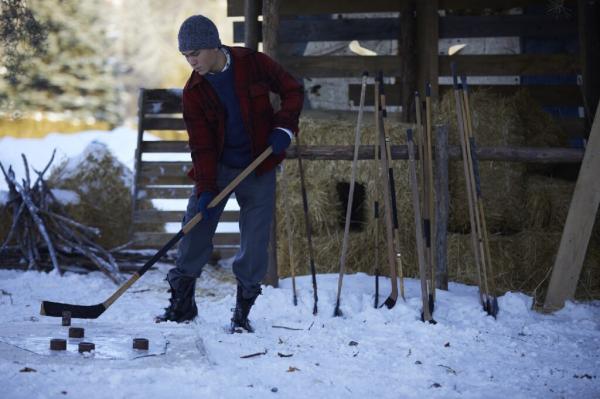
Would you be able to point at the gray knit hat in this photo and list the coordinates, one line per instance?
(198, 32)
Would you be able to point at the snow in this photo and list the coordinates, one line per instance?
(65, 197)
(3, 198)
(369, 352)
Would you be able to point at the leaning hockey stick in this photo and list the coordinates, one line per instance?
(363, 90)
(55, 309)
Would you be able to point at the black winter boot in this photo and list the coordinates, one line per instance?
(239, 321)
(182, 307)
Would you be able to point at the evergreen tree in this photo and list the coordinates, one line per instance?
(75, 74)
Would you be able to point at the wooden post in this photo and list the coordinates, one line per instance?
(427, 45)
(251, 23)
(589, 45)
(578, 227)
(408, 61)
(441, 206)
(270, 27)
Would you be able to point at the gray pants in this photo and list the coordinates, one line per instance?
(256, 197)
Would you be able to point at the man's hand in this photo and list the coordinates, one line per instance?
(203, 200)
(279, 140)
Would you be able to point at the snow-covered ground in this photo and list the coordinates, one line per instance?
(369, 353)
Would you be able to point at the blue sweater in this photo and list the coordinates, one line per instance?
(237, 151)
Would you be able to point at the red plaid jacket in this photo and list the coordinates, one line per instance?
(255, 75)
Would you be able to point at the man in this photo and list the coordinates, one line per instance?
(230, 121)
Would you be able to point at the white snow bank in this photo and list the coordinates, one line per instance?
(369, 352)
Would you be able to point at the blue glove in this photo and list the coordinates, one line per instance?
(203, 200)
(279, 140)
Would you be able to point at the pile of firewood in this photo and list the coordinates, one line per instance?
(44, 235)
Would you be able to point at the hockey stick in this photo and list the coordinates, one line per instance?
(390, 302)
(470, 194)
(313, 269)
(337, 311)
(56, 309)
(492, 305)
(288, 228)
(425, 297)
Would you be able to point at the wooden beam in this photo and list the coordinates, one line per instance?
(235, 8)
(563, 95)
(251, 24)
(505, 154)
(270, 34)
(427, 46)
(578, 226)
(544, 26)
(503, 65)
(346, 29)
(407, 52)
(341, 66)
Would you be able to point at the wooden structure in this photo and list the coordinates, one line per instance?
(418, 29)
(418, 26)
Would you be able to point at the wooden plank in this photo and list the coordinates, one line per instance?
(554, 96)
(165, 168)
(578, 226)
(163, 124)
(159, 217)
(146, 179)
(503, 65)
(544, 26)
(478, 5)
(441, 207)
(235, 8)
(162, 101)
(164, 192)
(157, 240)
(301, 30)
(177, 146)
(341, 66)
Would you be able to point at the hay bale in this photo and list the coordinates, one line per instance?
(495, 123)
(522, 262)
(104, 188)
(327, 211)
(548, 202)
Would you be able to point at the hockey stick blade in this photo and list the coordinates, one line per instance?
(389, 303)
(56, 309)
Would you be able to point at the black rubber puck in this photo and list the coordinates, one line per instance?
(86, 347)
(140, 343)
(66, 318)
(58, 344)
(75, 332)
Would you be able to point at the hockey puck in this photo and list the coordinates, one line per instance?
(140, 343)
(58, 344)
(66, 318)
(86, 347)
(75, 332)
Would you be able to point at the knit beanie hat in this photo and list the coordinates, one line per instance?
(198, 32)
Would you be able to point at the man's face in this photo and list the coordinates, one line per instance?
(203, 60)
